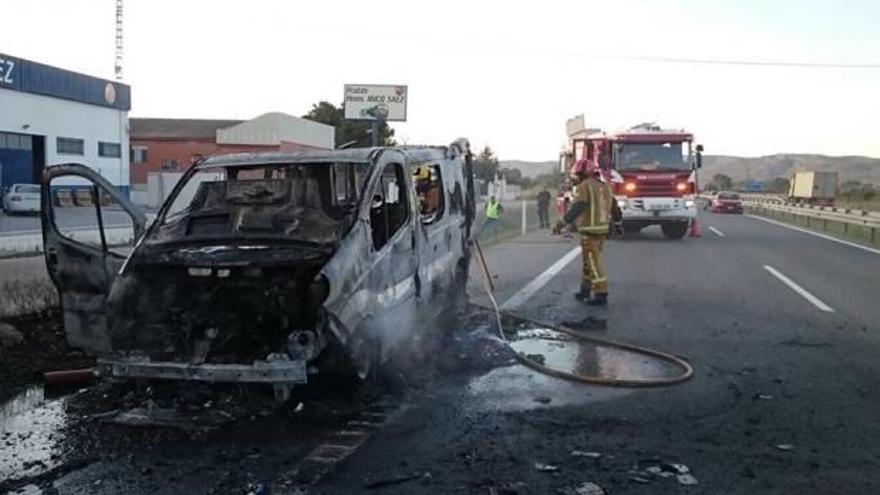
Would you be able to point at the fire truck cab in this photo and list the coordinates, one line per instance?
(652, 172)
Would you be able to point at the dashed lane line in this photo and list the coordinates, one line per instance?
(540, 281)
(717, 232)
(800, 290)
(817, 234)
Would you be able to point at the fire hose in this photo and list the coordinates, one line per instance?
(687, 370)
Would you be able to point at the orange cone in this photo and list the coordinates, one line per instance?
(695, 228)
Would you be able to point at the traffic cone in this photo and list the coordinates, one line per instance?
(695, 228)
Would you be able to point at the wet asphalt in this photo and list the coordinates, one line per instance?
(783, 399)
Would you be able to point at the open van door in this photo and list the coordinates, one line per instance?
(89, 229)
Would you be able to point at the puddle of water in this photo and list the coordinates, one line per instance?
(587, 359)
(30, 434)
(520, 388)
(517, 388)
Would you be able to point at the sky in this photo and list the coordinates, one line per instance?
(503, 74)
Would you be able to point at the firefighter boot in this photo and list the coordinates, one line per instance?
(583, 295)
(600, 299)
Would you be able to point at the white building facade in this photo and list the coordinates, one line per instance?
(50, 116)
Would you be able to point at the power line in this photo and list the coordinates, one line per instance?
(634, 58)
(759, 63)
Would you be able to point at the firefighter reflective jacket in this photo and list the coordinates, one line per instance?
(591, 211)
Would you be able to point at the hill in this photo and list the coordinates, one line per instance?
(764, 168)
(529, 169)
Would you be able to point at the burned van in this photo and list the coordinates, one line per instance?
(263, 268)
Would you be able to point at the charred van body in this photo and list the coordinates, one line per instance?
(267, 268)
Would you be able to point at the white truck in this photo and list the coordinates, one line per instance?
(813, 187)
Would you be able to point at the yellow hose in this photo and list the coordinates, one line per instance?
(687, 373)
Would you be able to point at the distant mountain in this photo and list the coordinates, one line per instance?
(529, 169)
(763, 168)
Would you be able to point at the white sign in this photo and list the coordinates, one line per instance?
(375, 101)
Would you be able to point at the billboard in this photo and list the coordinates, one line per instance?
(375, 101)
(18, 74)
(575, 125)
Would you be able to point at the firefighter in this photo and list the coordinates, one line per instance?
(591, 212)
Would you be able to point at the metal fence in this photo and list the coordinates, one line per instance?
(861, 230)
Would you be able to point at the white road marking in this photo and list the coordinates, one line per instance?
(817, 234)
(540, 281)
(800, 290)
(717, 232)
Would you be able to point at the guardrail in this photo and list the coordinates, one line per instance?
(863, 227)
(865, 231)
(861, 217)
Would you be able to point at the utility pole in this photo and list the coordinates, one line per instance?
(375, 133)
(118, 64)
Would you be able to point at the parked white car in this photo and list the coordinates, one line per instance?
(22, 198)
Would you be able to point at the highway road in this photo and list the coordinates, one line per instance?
(784, 398)
(783, 331)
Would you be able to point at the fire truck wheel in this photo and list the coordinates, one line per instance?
(629, 228)
(674, 230)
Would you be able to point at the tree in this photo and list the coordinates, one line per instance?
(486, 165)
(850, 185)
(723, 182)
(513, 175)
(349, 130)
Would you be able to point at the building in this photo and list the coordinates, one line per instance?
(576, 132)
(173, 145)
(50, 115)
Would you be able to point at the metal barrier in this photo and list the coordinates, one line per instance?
(861, 217)
(865, 231)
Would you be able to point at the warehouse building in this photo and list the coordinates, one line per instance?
(173, 145)
(50, 115)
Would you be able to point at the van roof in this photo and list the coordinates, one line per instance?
(356, 155)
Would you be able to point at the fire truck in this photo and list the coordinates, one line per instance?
(653, 173)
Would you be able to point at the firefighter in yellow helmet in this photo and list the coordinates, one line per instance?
(591, 213)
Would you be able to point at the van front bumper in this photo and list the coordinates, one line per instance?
(276, 370)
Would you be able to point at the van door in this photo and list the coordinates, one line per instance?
(393, 268)
(439, 219)
(89, 229)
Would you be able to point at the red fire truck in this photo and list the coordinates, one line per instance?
(653, 172)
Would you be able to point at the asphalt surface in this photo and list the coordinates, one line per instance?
(783, 400)
(773, 372)
(75, 218)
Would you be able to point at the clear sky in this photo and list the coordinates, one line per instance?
(506, 74)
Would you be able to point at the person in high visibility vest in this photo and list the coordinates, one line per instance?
(591, 213)
(493, 211)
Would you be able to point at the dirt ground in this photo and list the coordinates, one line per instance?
(44, 349)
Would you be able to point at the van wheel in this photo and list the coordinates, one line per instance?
(674, 230)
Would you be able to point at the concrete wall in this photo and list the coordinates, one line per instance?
(53, 117)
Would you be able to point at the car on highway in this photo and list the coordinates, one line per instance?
(725, 202)
(22, 198)
(271, 267)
